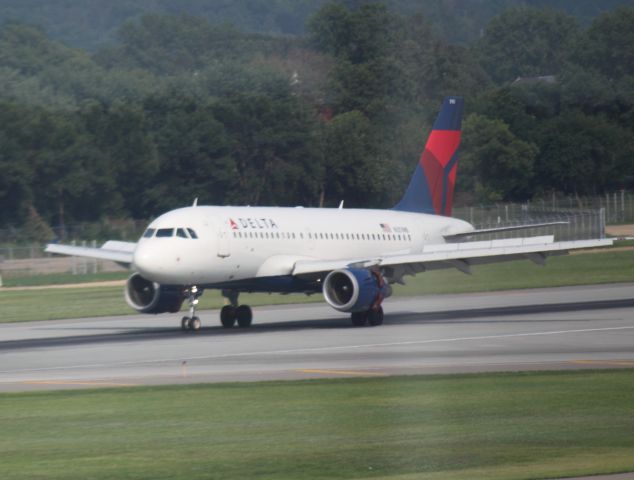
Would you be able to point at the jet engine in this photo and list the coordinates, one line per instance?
(150, 297)
(355, 289)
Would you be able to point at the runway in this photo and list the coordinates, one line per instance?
(564, 328)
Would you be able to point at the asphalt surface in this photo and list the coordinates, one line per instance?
(564, 328)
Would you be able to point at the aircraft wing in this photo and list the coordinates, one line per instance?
(454, 255)
(120, 252)
(456, 237)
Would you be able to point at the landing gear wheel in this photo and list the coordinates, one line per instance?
(228, 316)
(375, 317)
(244, 316)
(359, 319)
(191, 322)
(195, 324)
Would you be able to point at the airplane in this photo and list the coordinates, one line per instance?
(352, 256)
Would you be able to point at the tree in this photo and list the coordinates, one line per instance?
(526, 42)
(192, 154)
(357, 36)
(494, 164)
(16, 176)
(607, 44)
(36, 229)
(268, 138)
(583, 155)
(354, 170)
(122, 132)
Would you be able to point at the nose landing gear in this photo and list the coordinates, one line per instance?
(192, 322)
(229, 315)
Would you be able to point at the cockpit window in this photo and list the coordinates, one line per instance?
(192, 233)
(164, 232)
(180, 232)
(149, 233)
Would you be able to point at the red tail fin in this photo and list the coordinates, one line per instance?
(432, 186)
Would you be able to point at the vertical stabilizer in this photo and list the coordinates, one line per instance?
(432, 186)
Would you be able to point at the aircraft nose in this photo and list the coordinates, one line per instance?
(147, 261)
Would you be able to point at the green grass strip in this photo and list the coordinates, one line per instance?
(62, 279)
(485, 426)
(596, 268)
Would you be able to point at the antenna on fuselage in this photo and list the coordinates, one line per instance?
(341, 205)
(195, 204)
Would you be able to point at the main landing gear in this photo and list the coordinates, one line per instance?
(374, 317)
(232, 313)
(192, 322)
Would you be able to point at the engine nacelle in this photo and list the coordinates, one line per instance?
(355, 289)
(150, 297)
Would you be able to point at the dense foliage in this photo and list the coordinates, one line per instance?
(180, 108)
(92, 24)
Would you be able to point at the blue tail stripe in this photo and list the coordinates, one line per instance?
(450, 115)
(417, 197)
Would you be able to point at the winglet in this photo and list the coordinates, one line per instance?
(432, 186)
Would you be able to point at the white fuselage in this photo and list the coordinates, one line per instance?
(238, 243)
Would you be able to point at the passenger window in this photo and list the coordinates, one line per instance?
(181, 233)
(149, 233)
(192, 233)
(164, 232)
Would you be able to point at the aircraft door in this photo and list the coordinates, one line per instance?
(223, 240)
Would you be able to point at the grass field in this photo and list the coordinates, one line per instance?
(604, 267)
(63, 278)
(488, 426)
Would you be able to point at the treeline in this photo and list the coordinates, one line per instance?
(93, 24)
(180, 109)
